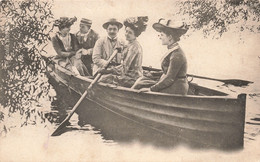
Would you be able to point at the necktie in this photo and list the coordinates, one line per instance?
(113, 41)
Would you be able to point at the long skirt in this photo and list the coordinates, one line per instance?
(119, 80)
(179, 86)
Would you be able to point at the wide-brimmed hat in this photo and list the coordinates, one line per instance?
(176, 26)
(138, 24)
(86, 21)
(112, 21)
(64, 22)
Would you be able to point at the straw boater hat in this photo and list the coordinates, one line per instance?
(86, 21)
(114, 22)
(64, 22)
(177, 27)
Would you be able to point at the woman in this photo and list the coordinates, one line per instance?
(173, 63)
(131, 67)
(66, 46)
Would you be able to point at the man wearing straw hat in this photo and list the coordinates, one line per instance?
(87, 39)
(105, 46)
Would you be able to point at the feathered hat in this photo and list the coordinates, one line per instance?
(64, 22)
(177, 27)
(138, 24)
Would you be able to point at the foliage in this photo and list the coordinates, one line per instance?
(219, 16)
(23, 36)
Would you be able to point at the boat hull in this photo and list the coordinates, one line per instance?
(215, 121)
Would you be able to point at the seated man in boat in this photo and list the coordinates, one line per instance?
(131, 68)
(105, 46)
(87, 39)
(66, 45)
(173, 63)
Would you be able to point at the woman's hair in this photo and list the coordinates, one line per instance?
(136, 32)
(174, 33)
(137, 24)
(64, 26)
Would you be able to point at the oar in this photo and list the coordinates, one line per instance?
(65, 121)
(235, 82)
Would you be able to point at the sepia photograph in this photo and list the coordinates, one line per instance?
(129, 80)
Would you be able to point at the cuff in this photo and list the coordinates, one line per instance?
(154, 88)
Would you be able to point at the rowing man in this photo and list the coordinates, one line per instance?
(105, 46)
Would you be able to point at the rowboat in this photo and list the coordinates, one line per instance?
(204, 118)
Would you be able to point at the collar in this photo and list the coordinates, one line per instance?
(112, 39)
(132, 41)
(172, 45)
(83, 35)
(61, 37)
(172, 48)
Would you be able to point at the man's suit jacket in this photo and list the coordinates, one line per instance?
(103, 49)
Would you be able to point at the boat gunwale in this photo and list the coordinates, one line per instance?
(186, 106)
(85, 78)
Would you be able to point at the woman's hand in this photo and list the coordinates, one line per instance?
(105, 71)
(87, 51)
(145, 90)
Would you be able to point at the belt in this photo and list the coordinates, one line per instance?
(181, 77)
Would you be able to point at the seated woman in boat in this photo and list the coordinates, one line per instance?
(173, 63)
(130, 69)
(66, 45)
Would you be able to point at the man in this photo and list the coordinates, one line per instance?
(104, 47)
(87, 39)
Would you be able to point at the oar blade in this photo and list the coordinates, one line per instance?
(237, 82)
(60, 128)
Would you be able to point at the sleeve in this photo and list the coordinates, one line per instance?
(97, 53)
(76, 42)
(58, 50)
(176, 62)
(90, 50)
(130, 56)
(96, 37)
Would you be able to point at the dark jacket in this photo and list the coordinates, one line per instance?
(59, 47)
(173, 80)
(87, 44)
(92, 37)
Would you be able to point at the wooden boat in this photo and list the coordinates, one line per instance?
(206, 118)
